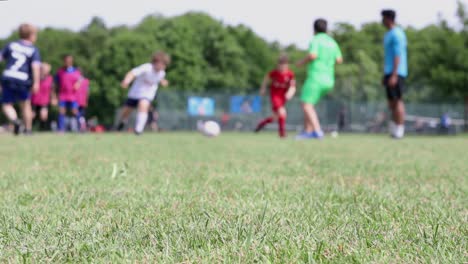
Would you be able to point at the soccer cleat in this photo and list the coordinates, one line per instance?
(304, 136)
(17, 128)
(307, 136)
(121, 126)
(318, 135)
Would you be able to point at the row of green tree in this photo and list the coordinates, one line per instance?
(209, 56)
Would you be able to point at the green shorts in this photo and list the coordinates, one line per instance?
(313, 91)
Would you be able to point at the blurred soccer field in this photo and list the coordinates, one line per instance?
(239, 198)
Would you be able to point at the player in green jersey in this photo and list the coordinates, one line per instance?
(324, 53)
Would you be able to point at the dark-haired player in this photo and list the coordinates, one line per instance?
(395, 72)
(324, 53)
(21, 73)
(282, 89)
(68, 80)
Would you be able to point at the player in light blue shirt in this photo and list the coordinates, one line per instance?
(395, 72)
(396, 47)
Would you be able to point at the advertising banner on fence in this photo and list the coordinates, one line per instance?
(240, 104)
(201, 106)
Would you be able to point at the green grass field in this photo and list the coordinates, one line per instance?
(239, 198)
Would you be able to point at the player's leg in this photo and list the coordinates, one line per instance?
(74, 108)
(124, 115)
(391, 123)
(43, 118)
(282, 115)
(62, 116)
(142, 115)
(311, 95)
(9, 97)
(127, 109)
(264, 123)
(10, 113)
(34, 112)
(312, 121)
(397, 108)
(276, 103)
(308, 127)
(400, 110)
(27, 115)
(82, 118)
(398, 114)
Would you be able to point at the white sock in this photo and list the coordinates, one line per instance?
(142, 118)
(400, 131)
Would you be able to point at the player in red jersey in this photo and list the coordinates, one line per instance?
(282, 89)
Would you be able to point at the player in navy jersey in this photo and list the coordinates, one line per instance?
(21, 76)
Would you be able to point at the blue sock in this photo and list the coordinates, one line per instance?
(61, 123)
(78, 120)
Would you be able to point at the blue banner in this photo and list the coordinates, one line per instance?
(201, 106)
(240, 104)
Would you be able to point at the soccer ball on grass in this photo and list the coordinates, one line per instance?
(209, 128)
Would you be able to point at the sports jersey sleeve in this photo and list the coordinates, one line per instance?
(314, 47)
(36, 57)
(141, 69)
(397, 44)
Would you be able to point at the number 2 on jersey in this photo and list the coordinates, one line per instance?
(20, 60)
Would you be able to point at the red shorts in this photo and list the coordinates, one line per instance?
(278, 101)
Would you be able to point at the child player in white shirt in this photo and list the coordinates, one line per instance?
(146, 79)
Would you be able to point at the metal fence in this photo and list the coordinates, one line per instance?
(371, 117)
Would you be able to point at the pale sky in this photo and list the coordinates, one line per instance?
(288, 22)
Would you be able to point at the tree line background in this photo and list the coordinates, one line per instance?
(209, 56)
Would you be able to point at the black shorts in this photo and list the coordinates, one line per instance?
(82, 110)
(394, 93)
(133, 103)
(37, 108)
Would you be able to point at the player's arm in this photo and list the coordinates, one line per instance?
(291, 91)
(339, 55)
(134, 73)
(2, 53)
(78, 83)
(312, 54)
(36, 70)
(397, 50)
(54, 92)
(266, 81)
(309, 58)
(164, 83)
(129, 77)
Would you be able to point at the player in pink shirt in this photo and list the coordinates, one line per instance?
(41, 99)
(68, 81)
(82, 100)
